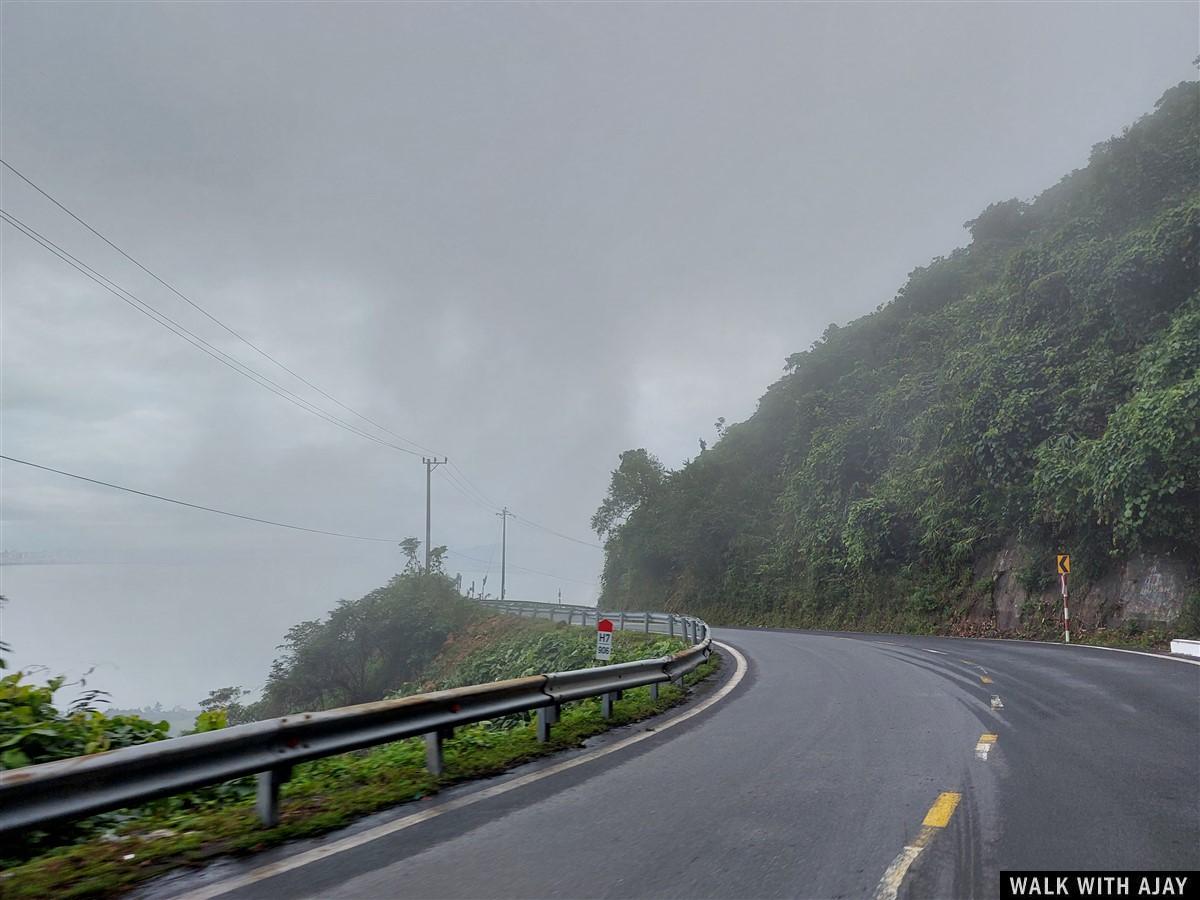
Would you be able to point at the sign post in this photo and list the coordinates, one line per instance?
(1064, 569)
(604, 639)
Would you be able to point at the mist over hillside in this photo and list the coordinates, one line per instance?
(1036, 392)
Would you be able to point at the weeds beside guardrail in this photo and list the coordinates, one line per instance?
(69, 789)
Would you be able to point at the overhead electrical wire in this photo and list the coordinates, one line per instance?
(191, 337)
(211, 509)
(461, 488)
(526, 569)
(488, 500)
(529, 523)
(522, 520)
(462, 483)
(258, 519)
(174, 290)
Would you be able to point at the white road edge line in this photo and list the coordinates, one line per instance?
(371, 834)
(1167, 656)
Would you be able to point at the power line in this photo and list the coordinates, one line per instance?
(191, 337)
(211, 509)
(269, 521)
(204, 311)
(459, 486)
(464, 486)
(488, 500)
(526, 570)
(262, 521)
(566, 537)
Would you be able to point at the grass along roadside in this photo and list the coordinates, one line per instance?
(322, 795)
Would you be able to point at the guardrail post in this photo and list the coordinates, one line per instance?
(266, 802)
(606, 704)
(671, 624)
(435, 760)
(622, 626)
(654, 691)
(646, 626)
(547, 716)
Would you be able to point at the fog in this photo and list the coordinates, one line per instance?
(527, 237)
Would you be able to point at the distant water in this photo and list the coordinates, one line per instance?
(171, 633)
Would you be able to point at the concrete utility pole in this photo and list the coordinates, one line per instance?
(431, 463)
(503, 546)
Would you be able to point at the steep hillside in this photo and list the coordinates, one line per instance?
(1035, 392)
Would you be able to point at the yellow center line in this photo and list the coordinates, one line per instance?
(943, 808)
(986, 679)
(938, 817)
(988, 738)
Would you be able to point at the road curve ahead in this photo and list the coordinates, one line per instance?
(840, 766)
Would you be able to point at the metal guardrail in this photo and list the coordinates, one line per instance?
(43, 794)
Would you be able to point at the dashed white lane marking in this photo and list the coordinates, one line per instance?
(984, 745)
(930, 650)
(371, 834)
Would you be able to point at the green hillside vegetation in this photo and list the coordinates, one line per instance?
(415, 634)
(1041, 384)
(496, 647)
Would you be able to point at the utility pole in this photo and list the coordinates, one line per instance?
(431, 463)
(503, 546)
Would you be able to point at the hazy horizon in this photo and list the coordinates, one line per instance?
(527, 237)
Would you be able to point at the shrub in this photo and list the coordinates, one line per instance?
(33, 730)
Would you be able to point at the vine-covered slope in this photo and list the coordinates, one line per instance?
(1041, 385)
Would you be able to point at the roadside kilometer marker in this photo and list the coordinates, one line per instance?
(937, 818)
(985, 744)
(604, 639)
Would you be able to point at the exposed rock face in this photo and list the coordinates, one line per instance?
(1001, 569)
(1147, 587)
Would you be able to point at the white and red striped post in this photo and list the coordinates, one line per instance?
(1066, 611)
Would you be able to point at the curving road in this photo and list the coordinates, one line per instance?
(838, 766)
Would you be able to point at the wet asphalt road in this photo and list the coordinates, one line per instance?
(815, 772)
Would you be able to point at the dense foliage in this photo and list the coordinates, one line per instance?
(34, 730)
(1041, 384)
(363, 648)
(523, 647)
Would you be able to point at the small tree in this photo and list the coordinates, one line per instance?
(637, 478)
(409, 547)
(225, 700)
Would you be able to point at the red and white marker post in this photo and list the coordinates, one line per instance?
(1066, 613)
(1064, 569)
(604, 639)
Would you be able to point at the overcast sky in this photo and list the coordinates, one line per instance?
(525, 236)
